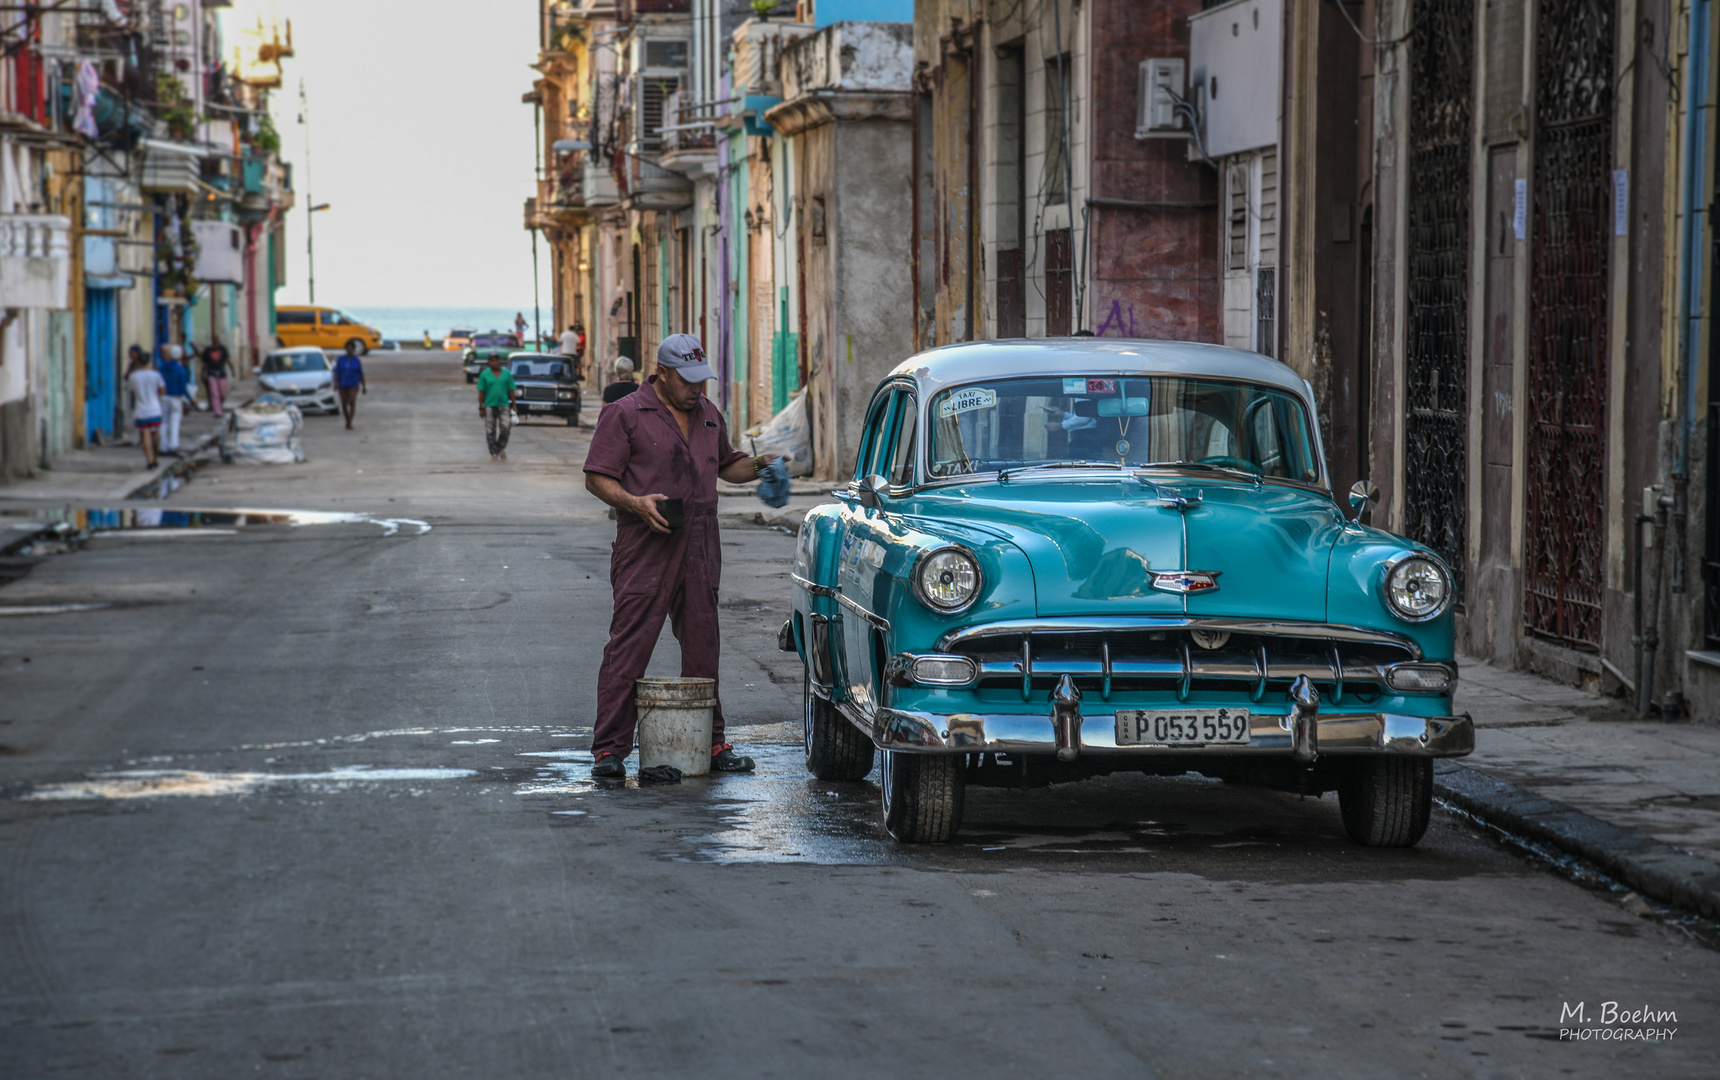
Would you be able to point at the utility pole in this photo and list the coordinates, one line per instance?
(537, 175)
(311, 206)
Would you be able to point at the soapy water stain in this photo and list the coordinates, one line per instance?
(156, 521)
(163, 783)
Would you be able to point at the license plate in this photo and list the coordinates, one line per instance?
(1195, 727)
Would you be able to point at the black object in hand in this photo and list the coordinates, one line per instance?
(673, 511)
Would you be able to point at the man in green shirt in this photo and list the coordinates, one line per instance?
(495, 405)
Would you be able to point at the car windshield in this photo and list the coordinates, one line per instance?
(282, 363)
(499, 341)
(1128, 421)
(540, 369)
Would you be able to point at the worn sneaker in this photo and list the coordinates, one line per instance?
(609, 766)
(724, 759)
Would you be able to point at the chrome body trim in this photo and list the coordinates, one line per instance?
(816, 590)
(854, 605)
(1123, 623)
(1328, 734)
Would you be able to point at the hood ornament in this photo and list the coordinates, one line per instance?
(1171, 496)
(1186, 581)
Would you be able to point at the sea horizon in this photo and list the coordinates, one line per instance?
(408, 323)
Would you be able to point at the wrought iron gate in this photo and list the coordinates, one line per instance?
(1567, 372)
(1436, 361)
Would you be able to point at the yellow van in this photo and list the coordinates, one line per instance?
(324, 327)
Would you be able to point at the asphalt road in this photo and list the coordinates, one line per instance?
(310, 801)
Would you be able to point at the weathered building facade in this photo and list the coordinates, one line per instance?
(1047, 201)
(141, 201)
(845, 121)
(669, 202)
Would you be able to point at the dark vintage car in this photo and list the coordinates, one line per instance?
(484, 346)
(545, 386)
(1064, 558)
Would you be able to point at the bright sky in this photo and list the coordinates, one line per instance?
(419, 143)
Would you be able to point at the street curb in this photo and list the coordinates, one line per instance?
(1651, 867)
(179, 467)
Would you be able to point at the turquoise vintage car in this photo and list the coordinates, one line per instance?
(1064, 558)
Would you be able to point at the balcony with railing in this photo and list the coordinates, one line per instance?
(35, 260)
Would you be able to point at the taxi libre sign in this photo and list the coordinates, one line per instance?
(964, 400)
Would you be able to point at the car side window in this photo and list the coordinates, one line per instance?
(875, 438)
(902, 455)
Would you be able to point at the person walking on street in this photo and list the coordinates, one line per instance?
(177, 396)
(217, 366)
(349, 381)
(570, 344)
(427, 341)
(623, 384)
(147, 390)
(655, 458)
(496, 405)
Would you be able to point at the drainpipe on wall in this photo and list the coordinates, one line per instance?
(1694, 210)
(1690, 284)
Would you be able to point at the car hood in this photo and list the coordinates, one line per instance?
(297, 380)
(1094, 545)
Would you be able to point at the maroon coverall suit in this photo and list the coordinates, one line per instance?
(654, 575)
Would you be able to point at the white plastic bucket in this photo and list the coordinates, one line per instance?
(675, 723)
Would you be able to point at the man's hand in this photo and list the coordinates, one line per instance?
(609, 489)
(646, 507)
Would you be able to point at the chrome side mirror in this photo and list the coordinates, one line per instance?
(867, 490)
(1362, 493)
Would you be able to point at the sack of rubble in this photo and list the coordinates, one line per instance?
(265, 432)
(787, 433)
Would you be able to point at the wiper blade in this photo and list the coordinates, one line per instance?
(1256, 478)
(1003, 475)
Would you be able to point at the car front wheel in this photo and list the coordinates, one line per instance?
(1386, 801)
(835, 749)
(923, 795)
(358, 345)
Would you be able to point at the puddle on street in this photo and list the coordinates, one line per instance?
(70, 526)
(780, 814)
(166, 783)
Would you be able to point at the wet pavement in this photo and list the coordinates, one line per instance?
(314, 801)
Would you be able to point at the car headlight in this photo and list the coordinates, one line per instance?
(1418, 589)
(564, 395)
(947, 579)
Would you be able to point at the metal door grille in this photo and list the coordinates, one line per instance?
(1436, 362)
(1567, 373)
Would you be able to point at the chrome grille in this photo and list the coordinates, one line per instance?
(1167, 658)
(537, 393)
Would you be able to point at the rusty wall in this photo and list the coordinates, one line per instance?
(1154, 269)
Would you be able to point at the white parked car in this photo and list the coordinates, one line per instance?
(303, 376)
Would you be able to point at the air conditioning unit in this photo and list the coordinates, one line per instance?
(1162, 82)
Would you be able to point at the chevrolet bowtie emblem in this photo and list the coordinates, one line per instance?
(1186, 581)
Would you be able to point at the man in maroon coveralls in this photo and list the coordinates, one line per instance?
(664, 441)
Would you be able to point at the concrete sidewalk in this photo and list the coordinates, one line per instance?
(1638, 798)
(740, 504)
(116, 471)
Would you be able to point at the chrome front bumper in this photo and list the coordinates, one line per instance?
(1298, 734)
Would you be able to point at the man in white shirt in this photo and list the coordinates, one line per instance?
(570, 343)
(147, 389)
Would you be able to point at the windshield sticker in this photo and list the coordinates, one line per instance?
(1089, 386)
(963, 400)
